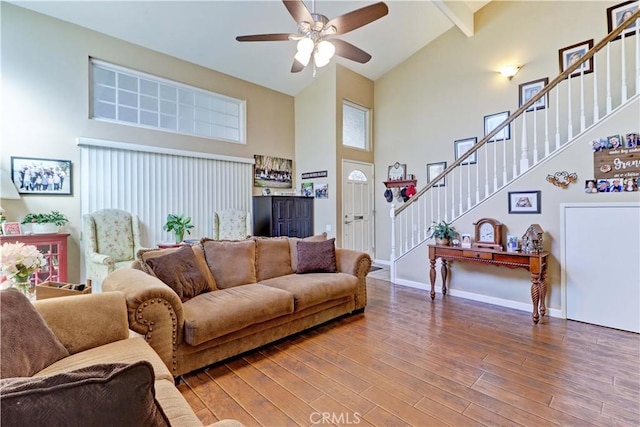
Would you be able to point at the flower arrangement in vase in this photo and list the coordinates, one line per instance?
(19, 261)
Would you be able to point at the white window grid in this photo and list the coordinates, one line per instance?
(129, 97)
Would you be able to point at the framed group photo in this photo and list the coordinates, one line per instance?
(619, 13)
(573, 54)
(46, 177)
(435, 169)
(524, 202)
(461, 146)
(492, 121)
(530, 89)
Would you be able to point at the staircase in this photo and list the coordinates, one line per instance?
(604, 80)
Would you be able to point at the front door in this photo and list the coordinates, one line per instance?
(357, 206)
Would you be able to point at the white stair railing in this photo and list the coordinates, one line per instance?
(492, 164)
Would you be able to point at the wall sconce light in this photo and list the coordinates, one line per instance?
(509, 71)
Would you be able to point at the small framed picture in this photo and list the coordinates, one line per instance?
(619, 13)
(307, 189)
(614, 141)
(524, 202)
(465, 240)
(492, 121)
(573, 54)
(266, 191)
(43, 177)
(590, 186)
(435, 169)
(397, 172)
(11, 228)
(632, 140)
(322, 191)
(461, 146)
(512, 243)
(530, 89)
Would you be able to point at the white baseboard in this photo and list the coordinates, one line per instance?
(553, 312)
(381, 262)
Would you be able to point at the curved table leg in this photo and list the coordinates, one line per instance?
(432, 278)
(543, 291)
(535, 296)
(444, 270)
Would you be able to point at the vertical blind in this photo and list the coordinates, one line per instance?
(151, 183)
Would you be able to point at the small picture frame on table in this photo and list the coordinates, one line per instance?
(461, 146)
(492, 121)
(530, 89)
(572, 54)
(512, 243)
(524, 202)
(11, 228)
(619, 13)
(465, 240)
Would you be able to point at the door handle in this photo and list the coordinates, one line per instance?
(347, 222)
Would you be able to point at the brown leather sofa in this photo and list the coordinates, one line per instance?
(256, 295)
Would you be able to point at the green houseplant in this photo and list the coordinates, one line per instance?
(179, 225)
(442, 231)
(42, 223)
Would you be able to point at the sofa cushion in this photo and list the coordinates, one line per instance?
(315, 288)
(232, 263)
(180, 270)
(317, 257)
(99, 395)
(293, 247)
(224, 311)
(28, 344)
(144, 255)
(272, 258)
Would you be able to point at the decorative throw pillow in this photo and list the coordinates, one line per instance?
(99, 395)
(180, 271)
(28, 345)
(232, 263)
(293, 247)
(317, 257)
(272, 258)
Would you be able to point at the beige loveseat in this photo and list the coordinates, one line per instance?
(254, 293)
(93, 331)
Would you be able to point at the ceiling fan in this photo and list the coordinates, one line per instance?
(315, 34)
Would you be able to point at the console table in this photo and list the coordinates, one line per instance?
(53, 247)
(535, 263)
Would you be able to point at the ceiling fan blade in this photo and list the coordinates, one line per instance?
(296, 67)
(349, 51)
(263, 38)
(298, 10)
(359, 17)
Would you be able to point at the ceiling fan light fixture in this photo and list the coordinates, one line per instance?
(305, 46)
(303, 57)
(324, 53)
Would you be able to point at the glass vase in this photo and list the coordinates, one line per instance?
(23, 284)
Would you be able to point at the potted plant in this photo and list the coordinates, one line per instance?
(45, 223)
(179, 225)
(442, 231)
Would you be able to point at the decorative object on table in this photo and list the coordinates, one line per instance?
(532, 239)
(523, 202)
(45, 223)
(492, 122)
(44, 177)
(461, 146)
(562, 179)
(266, 191)
(455, 242)
(274, 172)
(179, 225)
(530, 89)
(46, 290)
(322, 191)
(512, 243)
(11, 228)
(18, 262)
(573, 54)
(397, 172)
(442, 231)
(435, 169)
(465, 240)
(488, 234)
(619, 13)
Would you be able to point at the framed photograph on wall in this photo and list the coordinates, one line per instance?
(530, 89)
(461, 146)
(435, 169)
(274, 172)
(492, 121)
(306, 189)
(43, 177)
(322, 191)
(524, 202)
(619, 13)
(572, 54)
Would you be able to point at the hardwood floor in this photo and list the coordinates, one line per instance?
(410, 361)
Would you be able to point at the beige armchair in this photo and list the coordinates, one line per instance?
(111, 241)
(231, 224)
